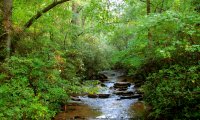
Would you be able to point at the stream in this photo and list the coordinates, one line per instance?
(116, 100)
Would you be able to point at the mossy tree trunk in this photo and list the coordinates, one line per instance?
(148, 8)
(6, 29)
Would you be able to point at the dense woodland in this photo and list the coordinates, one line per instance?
(48, 48)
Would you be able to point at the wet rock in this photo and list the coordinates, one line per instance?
(126, 97)
(122, 84)
(92, 95)
(104, 95)
(136, 96)
(75, 98)
(102, 76)
(132, 97)
(121, 89)
(124, 93)
(103, 85)
(112, 74)
(111, 88)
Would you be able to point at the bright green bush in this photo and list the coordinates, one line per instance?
(32, 88)
(174, 93)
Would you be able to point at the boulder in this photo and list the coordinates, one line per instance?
(122, 84)
(103, 85)
(126, 97)
(124, 93)
(132, 97)
(104, 95)
(92, 95)
(75, 98)
(113, 74)
(121, 89)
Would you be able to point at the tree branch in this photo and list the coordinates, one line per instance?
(40, 13)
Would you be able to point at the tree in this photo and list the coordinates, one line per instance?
(7, 26)
(6, 37)
(148, 12)
(40, 13)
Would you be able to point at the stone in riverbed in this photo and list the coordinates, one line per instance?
(126, 97)
(124, 93)
(121, 89)
(122, 84)
(113, 74)
(75, 98)
(132, 97)
(98, 95)
(92, 95)
(103, 85)
(104, 95)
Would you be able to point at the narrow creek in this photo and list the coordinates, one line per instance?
(115, 100)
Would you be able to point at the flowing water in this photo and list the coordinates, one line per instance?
(112, 107)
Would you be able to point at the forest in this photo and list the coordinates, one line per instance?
(53, 49)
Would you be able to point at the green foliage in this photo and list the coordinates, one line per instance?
(64, 47)
(173, 33)
(51, 59)
(174, 92)
(31, 86)
(162, 48)
(94, 54)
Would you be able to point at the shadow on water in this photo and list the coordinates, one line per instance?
(121, 104)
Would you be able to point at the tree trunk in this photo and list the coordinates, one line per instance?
(148, 12)
(75, 17)
(7, 26)
(148, 7)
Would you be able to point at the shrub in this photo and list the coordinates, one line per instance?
(174, 92)
(32, 88)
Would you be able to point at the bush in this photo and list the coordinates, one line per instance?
(32, 88)
(174, 93)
